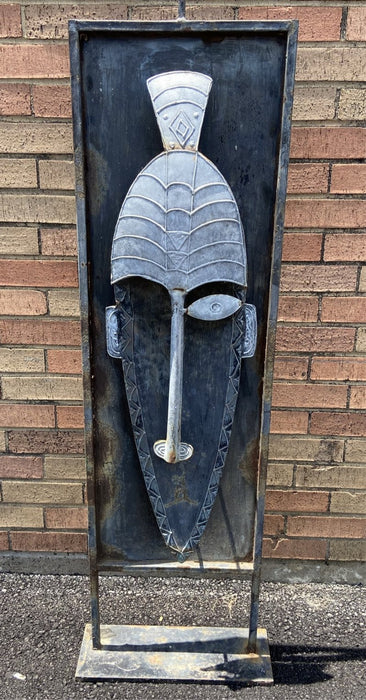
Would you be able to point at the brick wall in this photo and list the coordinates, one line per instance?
(317, 478)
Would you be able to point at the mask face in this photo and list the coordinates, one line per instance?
(178, 264)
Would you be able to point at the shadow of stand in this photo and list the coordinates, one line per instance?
(293, 665)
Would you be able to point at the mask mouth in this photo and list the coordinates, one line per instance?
(172, 455)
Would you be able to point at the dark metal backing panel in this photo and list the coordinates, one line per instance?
(117, 135)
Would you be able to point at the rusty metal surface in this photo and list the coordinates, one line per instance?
(274, 287)
(195, 654)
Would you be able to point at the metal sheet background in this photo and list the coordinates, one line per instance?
(241, 135)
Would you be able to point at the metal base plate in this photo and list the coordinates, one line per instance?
(200, 654)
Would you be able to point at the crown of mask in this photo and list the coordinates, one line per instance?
(179, 99)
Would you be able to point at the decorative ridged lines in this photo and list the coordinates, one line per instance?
(142, 446)
(179, 226)
(147, 467)
(238, 327)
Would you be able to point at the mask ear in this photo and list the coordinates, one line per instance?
(214, 307)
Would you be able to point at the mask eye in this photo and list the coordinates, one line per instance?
(214, 307)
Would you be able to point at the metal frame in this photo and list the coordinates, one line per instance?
(182, 27)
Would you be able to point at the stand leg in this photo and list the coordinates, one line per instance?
(256, 575)
(94, 602)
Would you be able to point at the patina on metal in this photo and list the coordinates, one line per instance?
(180, 227)
(252, 65)
(201, 654)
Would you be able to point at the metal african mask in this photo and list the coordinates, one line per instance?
(178, 266)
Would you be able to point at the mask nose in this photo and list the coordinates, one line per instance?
(171, 449)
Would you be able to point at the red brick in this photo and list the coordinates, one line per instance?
(12, 467)
(41, 492)
(10, 21)
(51, 101)
(345, 246)
(312, 526)
(324, 142)
(325, 213)
(26, 416)
(38, 273)
(35, 136)
(293, 308)
(344, 309)
(293, 501)
(18, 173)
(310, 395)
(14, 99)
(291, 368)
(318, 278)
(352, 104)
(361, 340)
(50, 21)
(348, 178)
(356, 24)
(66, 518)
(42, 441)
(336, 63)
(314, 102)
(315, 23)
(280, 474)
(289, 422)
(305, 449)
(315, 339)
(358, 400)
(154, 13)
(34, 61)
(338, 424)
(347, 503)
(294, 549)
(70, 416)
(22, 303)
(274, 525)
(302, 247)
(64, 361)
(333, 477)
(347, 550)
(56, 174)
(37, 208)
(39, 332)
(48, 542)
(19, 240)
(339, 368)
(4, 541)
(59, 242)
(210, 13)
(41, 388)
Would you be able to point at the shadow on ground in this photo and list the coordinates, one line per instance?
(309, 664)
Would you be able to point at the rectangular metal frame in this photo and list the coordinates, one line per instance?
(181, 28)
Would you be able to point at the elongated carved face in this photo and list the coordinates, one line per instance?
(180, 226)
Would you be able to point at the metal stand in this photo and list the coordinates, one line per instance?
(132, 544)
(191, 654)
(200, 654)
